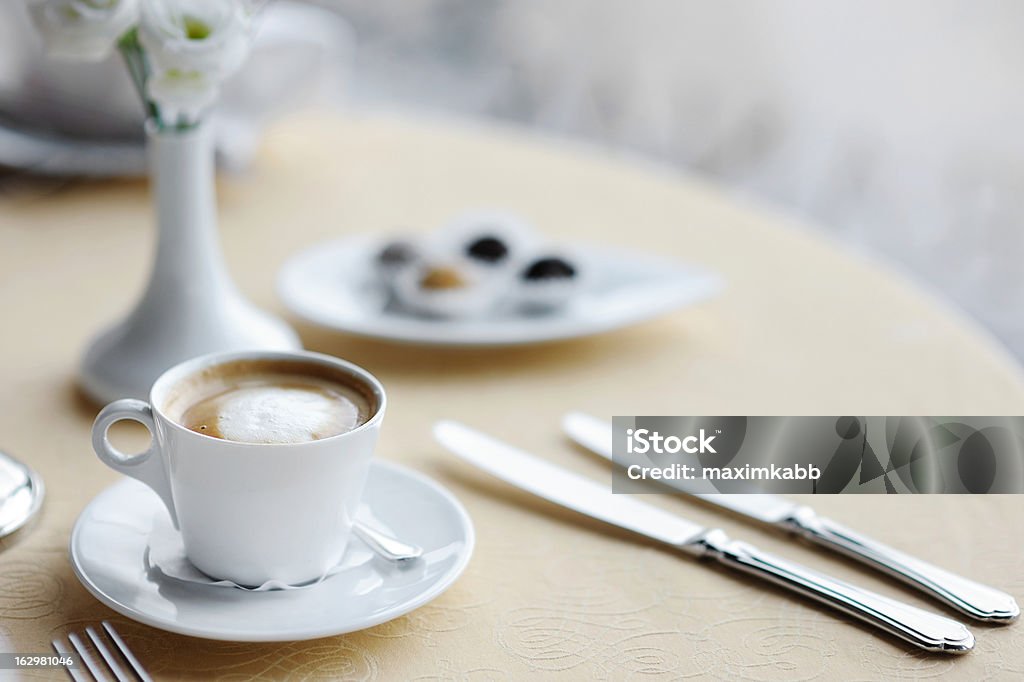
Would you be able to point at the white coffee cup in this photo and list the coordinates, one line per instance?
(250, 512)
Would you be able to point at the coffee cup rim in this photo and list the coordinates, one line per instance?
(163, 384)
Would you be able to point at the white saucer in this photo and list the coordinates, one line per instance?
(109, 541)
(332, 285)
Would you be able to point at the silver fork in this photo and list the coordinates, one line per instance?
(123, 668)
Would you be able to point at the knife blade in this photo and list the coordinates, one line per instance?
(596, 435)
(561, 487)
(971, 598)
(925, 630)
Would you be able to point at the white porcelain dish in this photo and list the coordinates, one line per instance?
(333, 285)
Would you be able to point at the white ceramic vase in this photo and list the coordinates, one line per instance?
(190, 306)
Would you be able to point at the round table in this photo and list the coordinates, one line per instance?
(803, 328)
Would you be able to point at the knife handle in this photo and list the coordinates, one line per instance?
(926, 630)
(975, 600)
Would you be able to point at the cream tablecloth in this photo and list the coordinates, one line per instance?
(802, 329)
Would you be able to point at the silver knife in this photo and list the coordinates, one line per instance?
(971, 598)
(925, 630)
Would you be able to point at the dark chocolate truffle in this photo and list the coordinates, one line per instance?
(548, 269)
(489, 249)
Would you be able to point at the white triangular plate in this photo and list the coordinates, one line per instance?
(333, 285)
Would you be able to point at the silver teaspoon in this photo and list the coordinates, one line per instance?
(21, 494)
(385, 545)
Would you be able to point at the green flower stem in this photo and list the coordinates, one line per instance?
(135, 60)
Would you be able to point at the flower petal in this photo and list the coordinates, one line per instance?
(182, 97)
(83, 30)
(208, 36)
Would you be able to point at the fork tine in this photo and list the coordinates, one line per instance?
(126, 652)
(95, 669)
(62, 650)
(108, 655)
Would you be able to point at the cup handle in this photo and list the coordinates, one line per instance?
(147, 466)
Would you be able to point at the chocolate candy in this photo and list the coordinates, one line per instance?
(549, 268)
(489, 249)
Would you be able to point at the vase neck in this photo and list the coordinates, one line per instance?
(184, 196)
(181, 172)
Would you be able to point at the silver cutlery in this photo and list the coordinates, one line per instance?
(387, 546)
(101, 661)
(971, 598)
(923, 629)
(21, 494)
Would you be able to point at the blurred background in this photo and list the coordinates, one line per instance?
(892, 126)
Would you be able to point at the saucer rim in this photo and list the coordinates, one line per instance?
(439, 587)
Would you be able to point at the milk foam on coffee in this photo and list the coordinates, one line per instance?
(251, 403)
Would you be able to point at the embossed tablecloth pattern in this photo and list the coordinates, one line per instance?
(801, 330)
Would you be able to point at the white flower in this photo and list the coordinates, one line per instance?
(181, 95)
(83, 30)
(191, 47)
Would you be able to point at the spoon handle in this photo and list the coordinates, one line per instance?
(389, 547)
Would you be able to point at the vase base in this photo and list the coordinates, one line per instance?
(125, 360)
